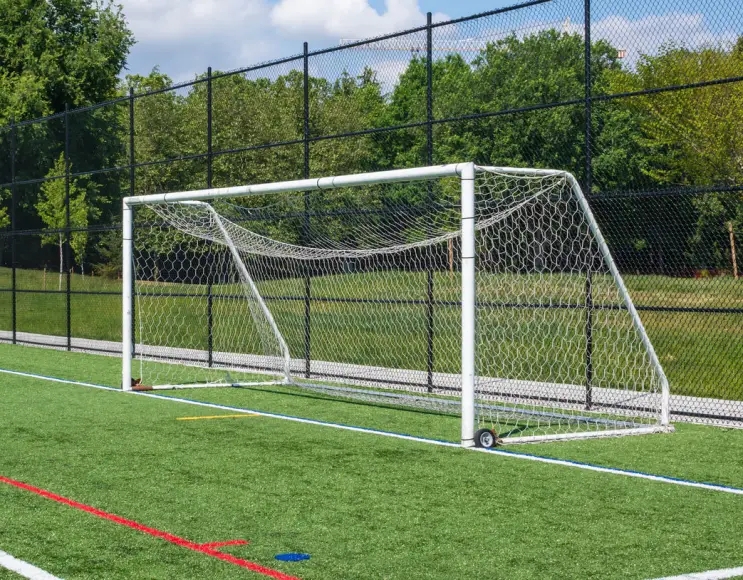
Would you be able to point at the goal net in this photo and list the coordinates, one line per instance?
(480, 292)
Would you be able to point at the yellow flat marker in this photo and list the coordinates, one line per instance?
(217, 417)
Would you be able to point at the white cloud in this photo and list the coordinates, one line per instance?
(346, 18)
(647, 35)
(185, 37)
(165, 20)
(643, 36)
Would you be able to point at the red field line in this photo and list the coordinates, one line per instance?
(202, 548)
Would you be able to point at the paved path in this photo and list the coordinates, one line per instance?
(683, 408)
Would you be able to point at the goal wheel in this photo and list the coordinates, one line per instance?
(485, 438)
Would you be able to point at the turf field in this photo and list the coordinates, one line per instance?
(360, 504)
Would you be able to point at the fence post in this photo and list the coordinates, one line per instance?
(68, 226)
(209, 260)
(587, 189)
(13, 228)
(306, 225)
(133, 224)
(429, 161)
(589, 340)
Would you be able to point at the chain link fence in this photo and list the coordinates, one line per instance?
(643, 102)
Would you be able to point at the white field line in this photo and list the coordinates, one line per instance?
(708, 575)
(501, 452)
(24, 568)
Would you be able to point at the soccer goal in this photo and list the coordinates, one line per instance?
(486, 293)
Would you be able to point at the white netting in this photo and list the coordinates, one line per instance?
(356, 293)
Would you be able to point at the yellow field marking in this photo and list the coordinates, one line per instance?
(217, 417)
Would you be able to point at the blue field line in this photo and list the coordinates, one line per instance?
(440, 442)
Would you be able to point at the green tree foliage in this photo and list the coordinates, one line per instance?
(634, 144)
(162, 131)
(682, 138)
(55, 53)
(692, 138)
(505, 79)
(52, 210)
(4, 217)
(347, 105)
(693, 135)
(509, 74)
(250, 113)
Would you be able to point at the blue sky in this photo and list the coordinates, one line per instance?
(184, 37)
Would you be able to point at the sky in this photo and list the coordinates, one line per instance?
(184, 37)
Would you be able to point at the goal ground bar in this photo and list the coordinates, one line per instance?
(141, 388)
(478, 406)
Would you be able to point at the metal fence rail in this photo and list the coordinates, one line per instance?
(672, 234)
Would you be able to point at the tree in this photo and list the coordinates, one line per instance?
(347, 105)
(694, 133)
(163, 130)
(452, 89)
(540, 69)
(55, 53)
(53, 211)
(4, 217)
(691, 138)
(110, 255)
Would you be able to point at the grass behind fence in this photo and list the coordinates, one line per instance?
(700, 351)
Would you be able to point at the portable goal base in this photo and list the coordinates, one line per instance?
(487, 293)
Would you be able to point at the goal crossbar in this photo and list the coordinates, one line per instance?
(314, 184)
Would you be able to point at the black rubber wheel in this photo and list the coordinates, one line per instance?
(485, 438)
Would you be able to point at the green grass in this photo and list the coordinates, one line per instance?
(363, 506)
(700, 352)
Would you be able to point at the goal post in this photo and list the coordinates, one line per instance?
(467, 176)
(510, 251)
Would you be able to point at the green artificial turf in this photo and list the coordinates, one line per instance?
(362, 505)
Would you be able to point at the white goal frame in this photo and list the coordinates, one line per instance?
(466, 173)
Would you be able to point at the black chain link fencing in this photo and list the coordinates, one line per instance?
(643, 102)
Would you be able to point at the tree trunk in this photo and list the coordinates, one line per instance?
(732, 250)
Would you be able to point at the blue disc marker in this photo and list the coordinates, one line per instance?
(292, 557)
